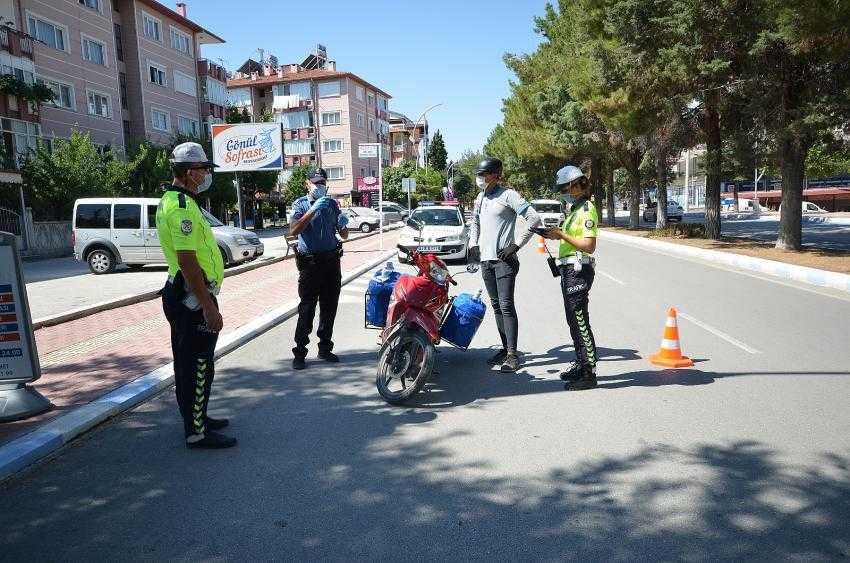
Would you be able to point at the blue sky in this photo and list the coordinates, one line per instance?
(422, 53)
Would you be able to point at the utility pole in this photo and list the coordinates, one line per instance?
(687, 179)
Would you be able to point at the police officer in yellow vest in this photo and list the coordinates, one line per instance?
(195, 273)
(576, 262)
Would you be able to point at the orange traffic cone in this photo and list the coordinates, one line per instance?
(670, 354)
(541, 246)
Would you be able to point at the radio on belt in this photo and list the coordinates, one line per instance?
(577, 266)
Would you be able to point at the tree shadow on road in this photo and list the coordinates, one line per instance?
(327, 471)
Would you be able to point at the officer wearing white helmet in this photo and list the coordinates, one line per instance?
(576, 263)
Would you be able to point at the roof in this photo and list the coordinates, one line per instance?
(210, 36)
(298, 77)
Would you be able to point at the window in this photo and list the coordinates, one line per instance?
(239, 97)
(332, 145)
(181, 42)
(160, 120)
(371, 99)
(360, 92)
(63, 94)
(122, 85)
(382, 103)
(100, 104)
(295, 119)
(298, 146)
(185, 84)
(215, 92)
(329, 89)
(151, 216)
(157, 74)
(153, 27)
(371, 124)
(92, 216)
(127, 216)
(361, 120)
(94, 51)
(187, 126)
(119, 42)
(335, 173)
(331, 118)
(302, 89)
(51, 34)
(93, 4)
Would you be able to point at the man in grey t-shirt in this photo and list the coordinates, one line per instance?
(491, 241)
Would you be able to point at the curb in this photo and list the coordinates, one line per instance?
(804, 274)
(81, 312)
(51, 436)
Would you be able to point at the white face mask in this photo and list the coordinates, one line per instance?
(480, 182)
(317, 191)
(205, 184)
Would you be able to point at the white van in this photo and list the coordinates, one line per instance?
(111, 231)
(809, 207)
(551, 211)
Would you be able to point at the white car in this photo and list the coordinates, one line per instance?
(363, 219)
(397, 208)
(809, 207)
(674, 212)
(551, 211)
(443, 233)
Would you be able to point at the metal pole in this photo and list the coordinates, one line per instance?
(687, 180)
(381, 192)
(23, 220)
(239, 199)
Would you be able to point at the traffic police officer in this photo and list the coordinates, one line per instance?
(578, 243)
(195, 273)
(316, 219)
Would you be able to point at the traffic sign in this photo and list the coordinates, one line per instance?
(408, 185)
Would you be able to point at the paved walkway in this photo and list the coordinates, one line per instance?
(86, 358)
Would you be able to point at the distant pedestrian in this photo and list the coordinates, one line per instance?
(316, 220)
(577, 266)
(195, 274)
(492, 242)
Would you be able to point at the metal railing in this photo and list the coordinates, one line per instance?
(10, 221)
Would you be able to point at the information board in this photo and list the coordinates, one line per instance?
(18, 357)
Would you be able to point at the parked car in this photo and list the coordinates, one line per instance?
(674, 212)
(396, 207)
(111, 231)
(444, 233)
(809, 207)
(391, 214)
(363, 219)
(551, 211)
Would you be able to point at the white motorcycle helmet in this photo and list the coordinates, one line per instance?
(566, 175)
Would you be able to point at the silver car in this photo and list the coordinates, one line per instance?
(363, 219)
(111, 231)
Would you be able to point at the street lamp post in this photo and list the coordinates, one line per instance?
(413, 138)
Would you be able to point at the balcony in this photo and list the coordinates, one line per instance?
(302, 134)
(303, 160)
(15, 42)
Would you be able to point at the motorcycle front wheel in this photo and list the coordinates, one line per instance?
(404, 366)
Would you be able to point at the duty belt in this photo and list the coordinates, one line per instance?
(214, 289)
(585, 260)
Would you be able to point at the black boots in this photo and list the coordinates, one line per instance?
(586, 379)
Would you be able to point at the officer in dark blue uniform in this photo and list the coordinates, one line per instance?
(317, 219)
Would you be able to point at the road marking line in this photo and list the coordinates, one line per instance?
(610, 277)
(719, 333)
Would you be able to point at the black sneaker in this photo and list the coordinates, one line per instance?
(511, 363)
(210, 441)
(572, 373)
(586, 381)
(498, 358)
(217, 423)
(329, 357)
(298, 363)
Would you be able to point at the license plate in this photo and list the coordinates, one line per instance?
(429, 249)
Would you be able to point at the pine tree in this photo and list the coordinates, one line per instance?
(437, 152)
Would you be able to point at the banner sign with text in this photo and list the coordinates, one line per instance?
(246, 147)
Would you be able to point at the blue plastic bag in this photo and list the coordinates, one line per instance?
(464, 318)
(378, 295)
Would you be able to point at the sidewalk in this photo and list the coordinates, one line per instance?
(86, 358)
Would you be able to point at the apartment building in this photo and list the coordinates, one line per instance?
(19, 123)
(406, 138)
(75, 56)
(158, 70)
(325, 114)
(213, 91)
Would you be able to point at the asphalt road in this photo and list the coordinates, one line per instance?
(744, 457)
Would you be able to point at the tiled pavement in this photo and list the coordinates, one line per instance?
(86, 358)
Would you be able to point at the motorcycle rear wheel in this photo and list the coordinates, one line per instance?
(405, 364)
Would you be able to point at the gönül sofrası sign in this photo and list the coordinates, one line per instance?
(247, 146)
